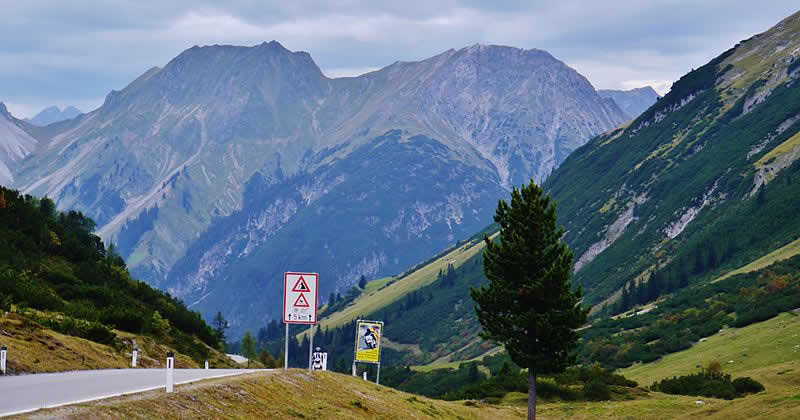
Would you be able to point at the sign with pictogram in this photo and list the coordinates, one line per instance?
(368, 341)
(300, 298)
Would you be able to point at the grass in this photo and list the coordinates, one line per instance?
(783, 148)
(279, 395)
(754, 349)
(382, 293)
(780, 254)
(34, 349)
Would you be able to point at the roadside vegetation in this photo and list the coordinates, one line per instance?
(59, 276)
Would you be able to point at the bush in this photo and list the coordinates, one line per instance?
(596, 390)
(710, 382)
(747, 385)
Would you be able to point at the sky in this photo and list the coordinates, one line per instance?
(74, 53)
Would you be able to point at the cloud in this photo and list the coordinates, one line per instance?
(77, 51)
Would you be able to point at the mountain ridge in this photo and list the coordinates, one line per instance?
(170, 156)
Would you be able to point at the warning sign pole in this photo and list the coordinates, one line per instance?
(310, 346)
(286, 349)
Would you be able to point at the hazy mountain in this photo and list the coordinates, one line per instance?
(15, 144)
(53, 114)
(230, 165)
(704, 181)
(632, 102)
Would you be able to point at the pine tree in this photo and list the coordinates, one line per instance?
(362, 283)
(529, 305)
(220, 325)
(248, 346)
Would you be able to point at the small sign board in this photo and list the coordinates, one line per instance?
(319, 360)
(300, 298)
(368, 341)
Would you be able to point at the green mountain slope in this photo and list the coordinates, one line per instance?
(59, 276)
(702, 182)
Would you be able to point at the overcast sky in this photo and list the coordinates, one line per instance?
(75, 52)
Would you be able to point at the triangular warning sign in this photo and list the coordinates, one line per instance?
(301, 286)
(301, 302)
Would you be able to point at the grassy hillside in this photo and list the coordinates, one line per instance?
(279, 395)
(383, 292)
(33, 348)
(702, 183)
(60, 277)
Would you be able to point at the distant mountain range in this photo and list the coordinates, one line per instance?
(53, 114)
(230, 165)
(632, 102)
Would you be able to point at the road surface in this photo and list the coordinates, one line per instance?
(20, 394)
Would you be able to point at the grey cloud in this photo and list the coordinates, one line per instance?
(77, 51)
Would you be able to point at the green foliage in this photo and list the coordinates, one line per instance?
(248, 347)
(710, 382)
(596, 390)
(158, 325)
(529, 305)
(694, 313)
(51, 261)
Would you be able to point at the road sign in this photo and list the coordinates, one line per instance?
(368, 341)
(319, 360)
(300, 298)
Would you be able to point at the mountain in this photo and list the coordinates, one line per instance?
(15, 144)
(701, 183)
(53, 114)
(632, 102)
(683, 220)
(230, 165)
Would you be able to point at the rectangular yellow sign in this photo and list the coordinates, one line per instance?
(368, 341)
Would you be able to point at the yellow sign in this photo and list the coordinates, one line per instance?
(368, 341)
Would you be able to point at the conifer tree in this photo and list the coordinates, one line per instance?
(529, 305)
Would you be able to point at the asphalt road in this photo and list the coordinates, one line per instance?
(19, 394)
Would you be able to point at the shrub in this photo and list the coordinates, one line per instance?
(747, 385)
(596, 390)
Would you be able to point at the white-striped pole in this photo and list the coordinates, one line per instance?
(3, 355)
(170, 366)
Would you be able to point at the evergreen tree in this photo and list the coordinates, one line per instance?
(220, 324)
(529, 305)
(248, 346)
(362, 283)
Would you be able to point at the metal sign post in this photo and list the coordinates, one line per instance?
(300, 291)
(3, 355)
(368, 345)
(170, 366)
(310, 348)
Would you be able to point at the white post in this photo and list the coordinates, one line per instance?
(134, 357)
(3, 352)
(170, 366)
(286, 349)
(365, 375)
(354, 368)
(310, 346)
(325, 361)
(378, 376)
(206, 364)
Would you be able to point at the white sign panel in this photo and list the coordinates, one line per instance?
(300, 298)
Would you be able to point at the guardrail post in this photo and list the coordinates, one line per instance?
(134, 357)
(3, 355)
(170, 366)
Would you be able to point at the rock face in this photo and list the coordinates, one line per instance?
(53, 114)
(632, 102)
(15, 144)
(230, 165)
